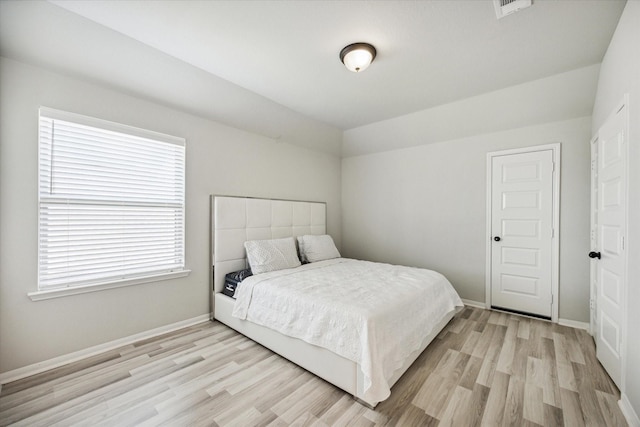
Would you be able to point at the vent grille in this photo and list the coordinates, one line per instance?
(507, 7)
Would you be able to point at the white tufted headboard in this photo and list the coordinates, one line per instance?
(235, 220)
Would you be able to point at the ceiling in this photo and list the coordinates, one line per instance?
(429, 52)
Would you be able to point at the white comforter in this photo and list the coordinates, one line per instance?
(371, 313)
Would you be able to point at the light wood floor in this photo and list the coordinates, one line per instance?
(485, 368)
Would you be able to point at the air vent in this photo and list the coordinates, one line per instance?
(507, 7)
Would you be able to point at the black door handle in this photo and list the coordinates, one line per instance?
(497, 238)
(594, 255)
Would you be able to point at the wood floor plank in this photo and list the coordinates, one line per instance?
(414, 417)
(481, 317)
(533, 404)
(521, 357)
(471, 342)
(566, 377)
(490, 362)
(571, 409)
(587, 394)
(173, 406)
(336, 410)
(456, 325)
(484, 341)
(494, 410)
(305, 404)
(514, 405)
(350, 415)
(294, 379)
(477, 404)
(285, 405)
(201, 414)
(553, 416)
(507, 354)
(63, 373)
(550, 385)
(486, 368)
(573, 347)
(470, 373)
(377, 417)
(455, 413)
(266, 418)
(609, 409)
(523, 328)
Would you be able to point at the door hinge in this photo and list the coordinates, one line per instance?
(622, 242)
(551, 299)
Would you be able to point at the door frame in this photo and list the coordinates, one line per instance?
(622, 104)
(555, 238)
(593, 147)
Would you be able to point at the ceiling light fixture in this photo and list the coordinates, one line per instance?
(357, 56)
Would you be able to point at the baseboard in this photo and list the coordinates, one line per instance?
(563, 322)
(56, 362)
(574, 324)
(628, 412)
(472, 303)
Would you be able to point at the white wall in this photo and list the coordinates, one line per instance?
(39, 32)
(220, 160)
(620, 74)
(425, 206)
(562, 96)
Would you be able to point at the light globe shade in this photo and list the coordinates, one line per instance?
(358, 56)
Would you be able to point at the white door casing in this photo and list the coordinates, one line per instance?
(593, 236)
(608, 253)
(522, 247)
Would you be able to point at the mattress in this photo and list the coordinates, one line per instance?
(371, 313)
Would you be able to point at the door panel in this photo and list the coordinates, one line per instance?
(609, 225)
(521, 200)
(517, 172)
(520, 256)
(522, 219)
(610, 335)
(526, 228)
(610, 285)
(519, 285)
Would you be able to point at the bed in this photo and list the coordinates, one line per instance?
(351, 336)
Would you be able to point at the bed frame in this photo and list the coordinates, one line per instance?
(235, 220)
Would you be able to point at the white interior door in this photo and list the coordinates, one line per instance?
(608, 246)
(522, 231)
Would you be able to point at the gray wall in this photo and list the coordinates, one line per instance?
(562, 96)
(620, 74)
(426, 206)
(220, 160)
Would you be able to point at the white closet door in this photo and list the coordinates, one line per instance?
(609, 246)
(522, 231)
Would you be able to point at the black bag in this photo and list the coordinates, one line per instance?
(232, 280)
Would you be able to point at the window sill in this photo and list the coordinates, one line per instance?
(63, 292)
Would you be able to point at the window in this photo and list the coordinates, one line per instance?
(111, 204)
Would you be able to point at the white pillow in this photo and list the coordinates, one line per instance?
(317, 248)
(271, 255)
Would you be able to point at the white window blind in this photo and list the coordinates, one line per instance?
(111, 202)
